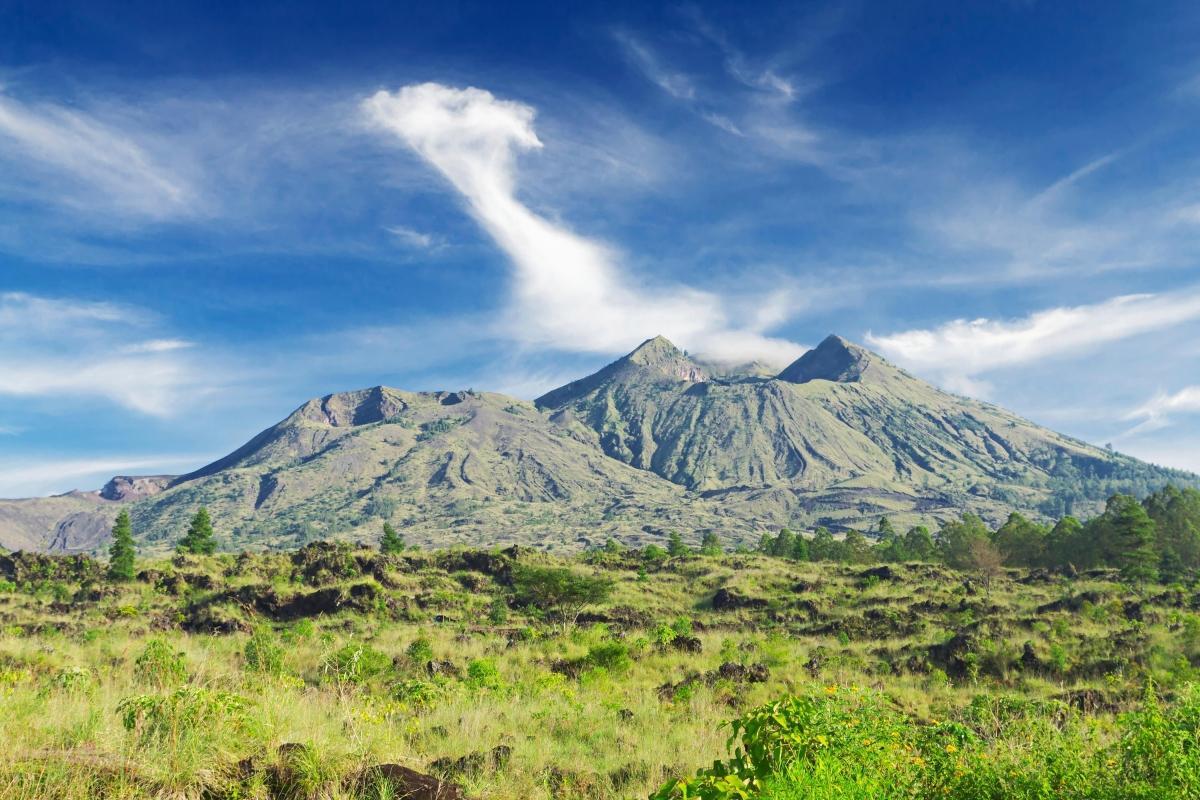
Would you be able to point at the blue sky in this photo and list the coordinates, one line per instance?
(207, 217)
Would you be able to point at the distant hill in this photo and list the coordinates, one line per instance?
(654, 442)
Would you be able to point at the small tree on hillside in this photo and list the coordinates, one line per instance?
(957, 537)
(823, 546)
(984, 559)
(199, 539)
(392, 541)
(121, 553)
(1129, 533)
(800, 548)
(710, 545)
(918, 543)
(675, 545)
(559, 590)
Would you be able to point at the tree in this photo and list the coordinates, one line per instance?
(1176, 515)
(955, 540)
(121, 553)
(1064, 544)
(784, 544)
(918, 543)
(766, 544)
(675, 545)
(559, 589)
(710, 544)
(800, 549)
(392, 541)
(884, 527)
(199, 539)
(1021, 542)
(823, 546)
(653, 554)
(1128, 533)
(891, 548)
(984, 559)
(855, 547)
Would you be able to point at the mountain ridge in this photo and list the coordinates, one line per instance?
(655, 441)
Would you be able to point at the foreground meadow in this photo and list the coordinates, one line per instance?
(335, 672)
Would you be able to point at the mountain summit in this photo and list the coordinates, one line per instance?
(655, 359)
(834, 359)
(655, 441)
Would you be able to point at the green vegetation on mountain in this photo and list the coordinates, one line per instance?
(653, 443)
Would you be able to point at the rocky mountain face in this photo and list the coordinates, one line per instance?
(654, 442)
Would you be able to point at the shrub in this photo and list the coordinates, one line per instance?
(422, 694)
(160, 664)
(355, 663)
(419, 650)
(482, 673)
(498, 610)
(264, 653)
(611, 656)
(171, 716)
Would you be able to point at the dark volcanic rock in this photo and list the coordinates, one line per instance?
(727, 599)
(20, 567)
(403, 783)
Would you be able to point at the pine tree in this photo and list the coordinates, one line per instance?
(199, 539)
(392, 541)
(121, 553)
(675, 545)
(1131, 536)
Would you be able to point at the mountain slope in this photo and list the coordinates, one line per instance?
(840, 430)
(448, 466)
(655, 441)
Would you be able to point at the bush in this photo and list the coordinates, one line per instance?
(835, 743)
(160, 664)
(482, 673)
(264, 653)
(173, 715)
(610, 656)
(420, 650)
(355, 663)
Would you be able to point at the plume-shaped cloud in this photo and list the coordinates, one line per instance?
(569, 291)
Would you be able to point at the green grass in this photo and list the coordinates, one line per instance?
(110, 694)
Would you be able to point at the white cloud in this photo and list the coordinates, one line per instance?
(1156, 412)
(58, 347)
(959, 350)
(99, 162)
(413, 238)
(673, 83)
(569, 292)
(38, 477)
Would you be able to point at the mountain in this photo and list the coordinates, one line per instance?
(656, 441)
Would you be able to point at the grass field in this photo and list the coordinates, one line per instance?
(295, 674)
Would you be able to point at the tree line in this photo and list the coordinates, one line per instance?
(1157, 538)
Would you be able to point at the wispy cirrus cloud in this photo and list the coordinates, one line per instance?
(39, 476)
(570, 292)
(959, 351)
(63, 347)
(73, 157)
(1156, 412)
